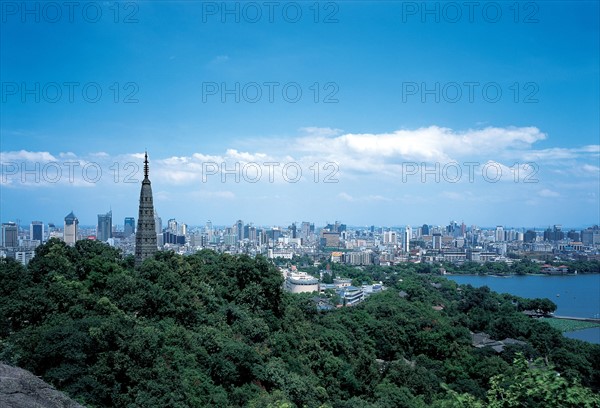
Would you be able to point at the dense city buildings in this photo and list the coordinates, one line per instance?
(359, 246)
(334, 242)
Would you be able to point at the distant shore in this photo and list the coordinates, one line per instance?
(514, 274)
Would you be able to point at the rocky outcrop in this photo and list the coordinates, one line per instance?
(22, 389)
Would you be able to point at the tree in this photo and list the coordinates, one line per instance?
(538, 385)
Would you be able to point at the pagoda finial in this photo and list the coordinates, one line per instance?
(146, 165)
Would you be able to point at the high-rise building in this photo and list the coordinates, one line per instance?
(530, 236)
(36, 231)
(9, 237)
(71, 230)
(406, 238)
(337, 227)
(158, 223)
(389, 237)
(129, 226)
(436, 241)
(330, 239)
(104, 228)
(591, 236)
(425, 229)
(573, 235)
(555, 234)
(145, 236)
(239, 230)
(172, 226)
(304, 229)
(208, 230)
(499, 233)
(252, 234)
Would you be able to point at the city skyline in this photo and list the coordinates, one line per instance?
(122, 227)
(278, 118)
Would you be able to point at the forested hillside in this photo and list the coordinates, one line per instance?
(218, 330)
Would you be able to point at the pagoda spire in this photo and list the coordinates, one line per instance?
(146, 165)
(145, 235)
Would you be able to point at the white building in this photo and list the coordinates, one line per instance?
(406, 238)
(301, 282)
(390, 238)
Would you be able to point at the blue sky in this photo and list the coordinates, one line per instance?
(388, 90)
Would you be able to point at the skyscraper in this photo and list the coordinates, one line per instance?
(293, 230)
(407, 236)
(129, 226)
(172, 226)
(36, 231)
(145, 236)
(499, 235)
(10, 235)
(158, 223)
(239, 230)
(71, 229)
(436, 241)
(390, 237)
(104, 229)
(208, 230)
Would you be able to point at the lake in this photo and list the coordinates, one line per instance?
(574, 295)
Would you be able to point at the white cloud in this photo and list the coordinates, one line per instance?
(220, 194)
(370, 198)
(561, 153)
(67, 155)
(233, 154)
(452, 195)
(219, 59)
(213, 194)
(25, 155)
(320, 131)
(588, 168)
(548, 193)
(432, 143)
(364, 158)
(176, 177)
(207, 158)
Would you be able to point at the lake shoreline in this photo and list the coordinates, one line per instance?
(577, 297)
(514, 274)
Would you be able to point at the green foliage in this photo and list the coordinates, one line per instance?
(217, 330)
(537, 385)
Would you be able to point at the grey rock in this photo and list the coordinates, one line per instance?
(21, 389)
